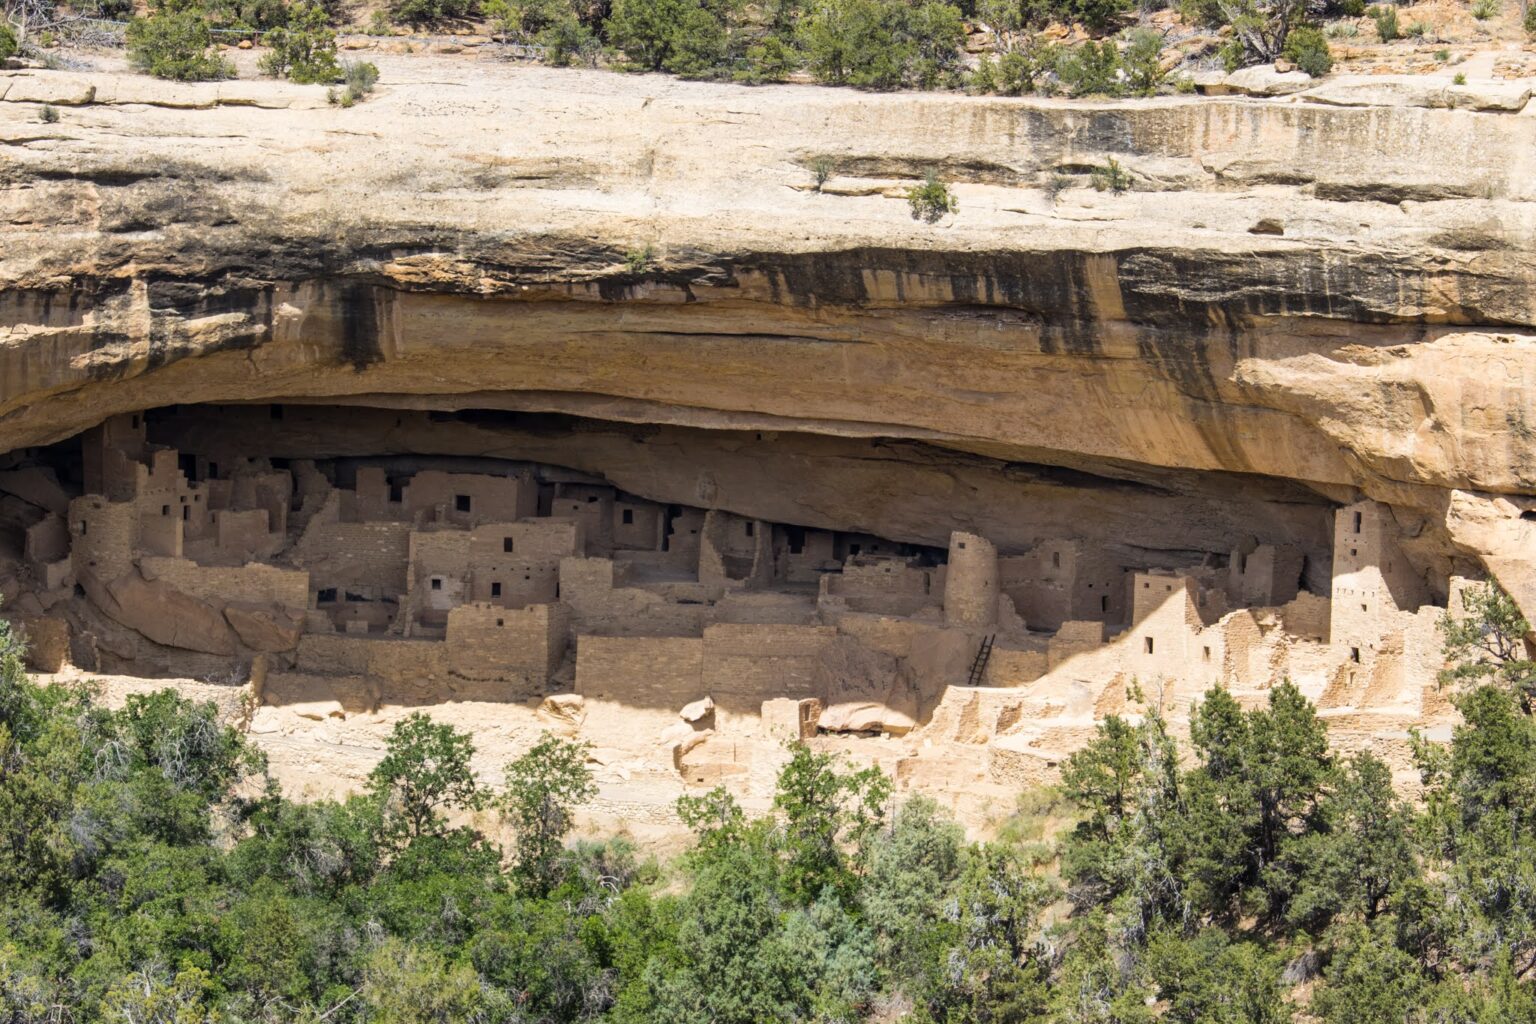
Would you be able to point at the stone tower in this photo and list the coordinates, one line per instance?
(970, 582)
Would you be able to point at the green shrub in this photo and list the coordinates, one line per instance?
(638, 261)
(932, 199)
(304, 51)
(173, 42)
(1417, 30)
(1482, 10)
(1309, 49)
(1342, 30)
(1386, 23)
(1089, 70)
(984, 79)
(1142, 61)
(359, 78)
(823, 168)
(48, 114)
(420, 12)
(523, 19)
(1056, 184)
(770, 59)
(567, 41)
(1529, 21)
(882, 44)
(681, 36)
(1442, 55)
(1097, 15)
(8, 45)
(1112, 177)
(1459, 79)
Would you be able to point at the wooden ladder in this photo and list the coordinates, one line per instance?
(979, 664)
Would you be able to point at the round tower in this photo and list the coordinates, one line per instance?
(970, 582)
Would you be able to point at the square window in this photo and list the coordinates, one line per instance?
(629, 517)
(501, 622)
(437, 583)
(461, 502)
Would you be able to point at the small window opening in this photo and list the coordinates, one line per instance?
(396, 493)
(437, 583)
(501, 622)
(960, 545)
(461, 502)
(1357, 522)
(84, 527)
(629, 517)
(1147, 642)
(326, 595)
(165, 510)
(186, 513)
(1354, 654)
(135, 423)
(1055, 559)
(750, 528)
(1205, 654)
(495, 589)
(1103, 602)
(506, 545)
(1365, 608)
(1242, 565)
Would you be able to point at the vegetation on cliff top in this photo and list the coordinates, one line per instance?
(875, 44)
(149, 871)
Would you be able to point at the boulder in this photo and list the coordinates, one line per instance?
(865, 716)
(697, 710)
(264, 627)
(36, 486)
(567, 710)
(1267, 80)
(1422, 91)
(164, 614)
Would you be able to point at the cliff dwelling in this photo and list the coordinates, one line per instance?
(684, 454)
(690, 599)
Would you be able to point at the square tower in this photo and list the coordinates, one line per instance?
(1373, 583)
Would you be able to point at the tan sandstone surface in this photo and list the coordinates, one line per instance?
(1304, 302)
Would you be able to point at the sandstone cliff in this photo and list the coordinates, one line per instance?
(1300, 301)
